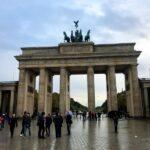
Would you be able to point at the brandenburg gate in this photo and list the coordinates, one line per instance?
(77, 58)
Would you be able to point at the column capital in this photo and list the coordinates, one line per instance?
(111, 66)
(42, 68)
(90, 67)
(21, 68)
(134, 65)
(13, 89)
(62, 67)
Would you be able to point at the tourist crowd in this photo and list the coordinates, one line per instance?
(44, 122)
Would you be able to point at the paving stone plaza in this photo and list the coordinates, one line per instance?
(88, 135)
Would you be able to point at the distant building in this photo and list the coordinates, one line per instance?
(8, 96)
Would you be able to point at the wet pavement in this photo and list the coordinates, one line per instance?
(88, 135)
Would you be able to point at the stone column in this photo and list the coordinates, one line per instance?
(11, 107)
(137, 102)
(0, 99)
(21, 92)
(146, 101)
(109, 107)
(91, 89)
(25, 107)
(129, 96)
(112, 90)
(45, 91)
(64, 102)
(42, 90)
(49, 93)
(29, 99)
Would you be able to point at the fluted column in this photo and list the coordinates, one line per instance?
(42, 90)
(111, 89)
(129, 93)
(137, 102)
(146, 101)
(25, 107)
(49, 93)
(109, 107)
(45, 91)
(21, 92)
(64, 102)
(11, 110)
(29, 99)
(91, 89)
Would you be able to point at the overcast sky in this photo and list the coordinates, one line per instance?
(41, 23)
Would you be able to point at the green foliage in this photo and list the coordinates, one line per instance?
(121, 97)
(122, 104)
(55, 103)
(77, 106)
(104, 107)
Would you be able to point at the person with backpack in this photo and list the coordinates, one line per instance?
(13, 123)
(68, 122)
(48, 124)
(24, 121)
(41, 124)
(28, 123)
(58, 121)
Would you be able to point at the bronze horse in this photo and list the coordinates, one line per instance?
(66, 38)
(87, 37)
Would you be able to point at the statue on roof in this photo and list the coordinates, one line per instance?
(76, 23)
(76, 36)
(87, 37)
(66, 38)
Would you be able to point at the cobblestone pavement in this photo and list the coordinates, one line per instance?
(88, 135)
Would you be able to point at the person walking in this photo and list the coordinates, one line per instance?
(28, 123)
(68, 122)
(58, 121)
(12, 124)
(41, 124)
(99, 115)
(48, 124)
(84, 115)
(115, 119)
(24, 121)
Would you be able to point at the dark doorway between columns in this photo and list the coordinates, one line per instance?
(56, 92)
(5, 105)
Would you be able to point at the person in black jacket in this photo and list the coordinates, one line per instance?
(48, 124)
(12, 124)
(41, 124)
(28, 123)
(58, 120)
(24, 121)
(68, 122)
(115, 118)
